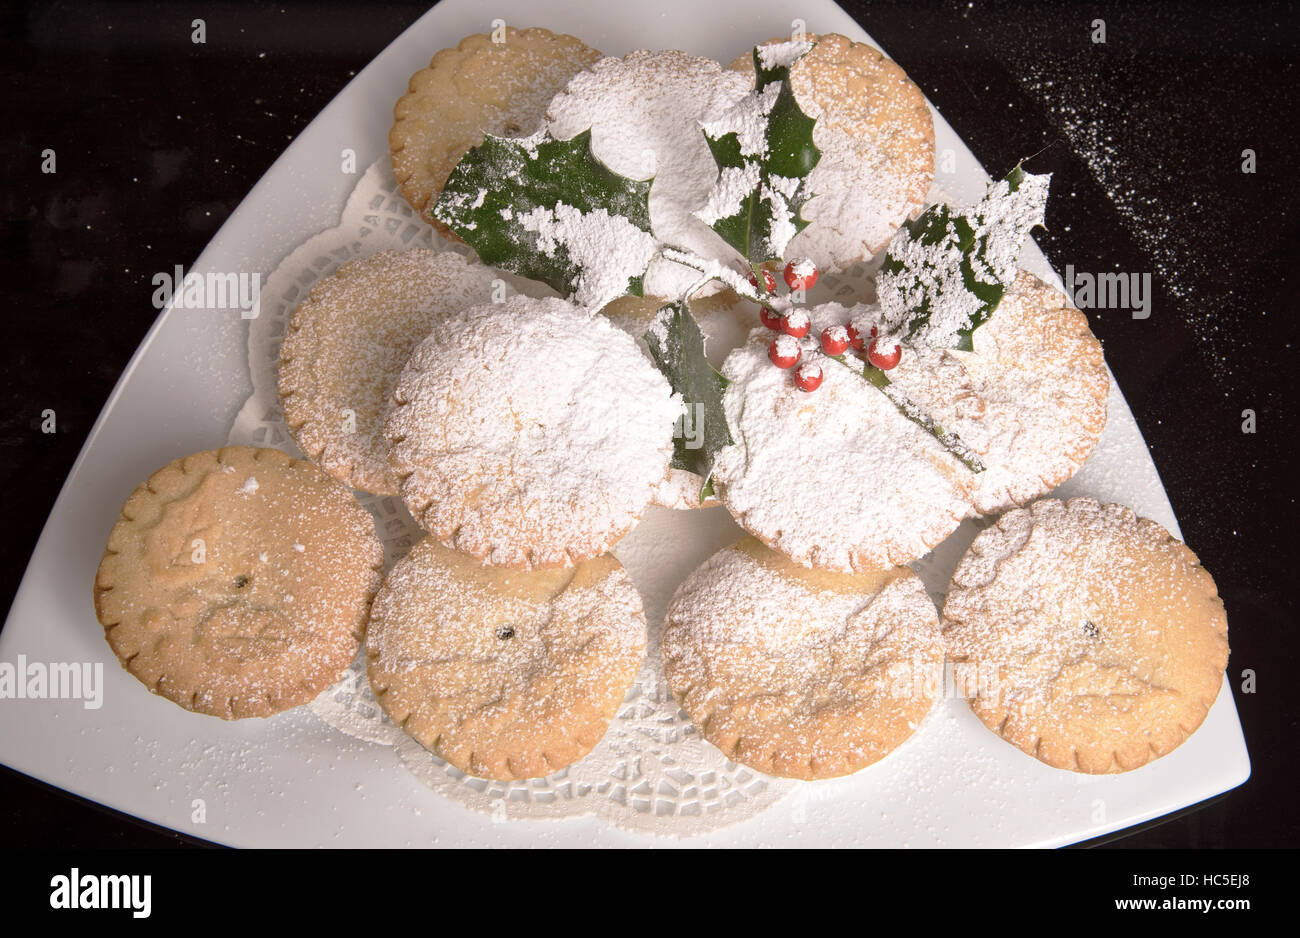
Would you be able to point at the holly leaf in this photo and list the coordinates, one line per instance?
(550, 210)
(677, 347)
(764, 149)
(945, 272)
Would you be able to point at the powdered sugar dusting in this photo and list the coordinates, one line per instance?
(804, 267)
(1005, 219)
(787, 346)
(531, 432)
(222, 633)
(810, 371)
(782, 54)
(801, 673)
(347, 343)
(644, 111)
(932, 270)
(1030, 400)
(876, 139)
(608, 249)
(1103, 642)
(747, 119)
(838, 478)
(798, 320)
(735, 183)
(777, 193)
(505, 675)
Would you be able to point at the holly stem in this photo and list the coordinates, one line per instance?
(713, 270)
(912, 411)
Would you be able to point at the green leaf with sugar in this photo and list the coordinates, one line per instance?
(550, 210)
(764, 149)
(677, 347)
(945, 272)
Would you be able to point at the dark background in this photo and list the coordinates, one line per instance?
(158, 140)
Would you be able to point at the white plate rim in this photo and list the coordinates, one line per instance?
(451, 18)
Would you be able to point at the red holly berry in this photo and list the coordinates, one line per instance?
(771, 318)
(855, 340)
(808, 377)
(835, 339)
(784, 351)
(801, 274)
(884, 358)
(796, 323)
(769, 282)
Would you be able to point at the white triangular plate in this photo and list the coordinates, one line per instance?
(294, 781)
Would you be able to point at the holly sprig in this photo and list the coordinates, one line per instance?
(783, 315)
(548, 209)
(945, 272)
(764, 149)
(677, 347)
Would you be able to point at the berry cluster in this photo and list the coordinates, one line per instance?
(786, 350)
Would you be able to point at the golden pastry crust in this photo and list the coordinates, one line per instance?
(1030, 398)
(1044, 369)
(346, 345)
(477, 87)
(1092, 639)
(237, 581)
(802, 673)
(506, 675)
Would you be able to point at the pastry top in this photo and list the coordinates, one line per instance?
(530, 433)
(347, 343)
(1030, 399)
(1098, 638)
(479, 86)
(504, 674)
(1029, 402)
(838, 479)
(802, 673)
(236, 581)
(643, 111)
(876, 138)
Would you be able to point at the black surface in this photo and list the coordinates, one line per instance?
(158, 139)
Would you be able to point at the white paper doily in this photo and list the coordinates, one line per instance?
(652, 771)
